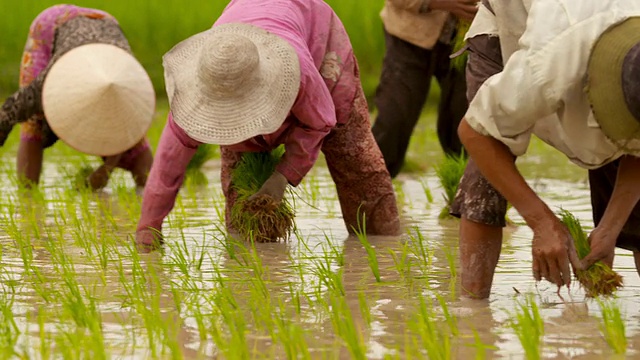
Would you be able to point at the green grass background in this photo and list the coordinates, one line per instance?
(154, 26)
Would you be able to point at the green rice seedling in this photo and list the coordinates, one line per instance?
(451, 320)
(294, 296)
(9, 331)
(79, 179)
(345, 327)
(261, 219)
(460, 61)
(403, 263)
(372, 258)
(335, 251)
(399, 190)
(599, 279)
(529, 327)
(229, 317)
(613, 326)
(365, 311)
(43, 334)
(290, 335)
(435, 341)
(480, 346)
(258, 271)
(427, 191)
(332, 280)
(449, 172)
(418, 248)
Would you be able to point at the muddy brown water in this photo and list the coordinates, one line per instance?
(571, 322)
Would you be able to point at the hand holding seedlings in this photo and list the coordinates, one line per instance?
(603, 247)
(553, 253)
(597, 278)
(260, 212)
(274, 187)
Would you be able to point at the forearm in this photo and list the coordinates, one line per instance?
(625, 196)
(29, 161)
(165, 178)
(497, 164)
(301, 152)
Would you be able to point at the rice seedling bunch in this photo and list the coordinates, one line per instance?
(599, 279)
(262, 219)
(449, 172)
(459, 62)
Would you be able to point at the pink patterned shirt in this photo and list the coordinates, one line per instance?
(39, 47)
(325, 98)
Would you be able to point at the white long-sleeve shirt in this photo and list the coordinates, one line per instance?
(546, 46)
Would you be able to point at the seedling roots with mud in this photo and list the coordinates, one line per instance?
(599, 279)
(262, 218)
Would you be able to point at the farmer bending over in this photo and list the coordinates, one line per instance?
(271, 72)
(573, 80)
(79, 82)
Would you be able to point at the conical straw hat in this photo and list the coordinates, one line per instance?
(231, 83)
(613, 77)
(98, 99)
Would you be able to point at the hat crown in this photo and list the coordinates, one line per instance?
(229, 64)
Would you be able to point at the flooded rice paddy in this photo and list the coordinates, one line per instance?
(72, 285)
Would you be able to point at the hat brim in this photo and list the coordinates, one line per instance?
(231, 120)
(98, 99)
(605, 91)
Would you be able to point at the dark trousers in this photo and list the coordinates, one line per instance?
(405, 81)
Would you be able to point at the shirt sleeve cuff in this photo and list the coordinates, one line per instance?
(292, 174)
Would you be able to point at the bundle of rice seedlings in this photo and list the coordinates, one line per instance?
(599, 279)
(194, 174)
(459, 62)
(449, 172)
(262, 219)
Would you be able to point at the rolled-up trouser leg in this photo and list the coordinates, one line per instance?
(358, 170)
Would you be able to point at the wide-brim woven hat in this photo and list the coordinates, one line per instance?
(98, 99)
(613, 89)
(231, 83)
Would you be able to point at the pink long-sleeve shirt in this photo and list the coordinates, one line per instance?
(324, 99)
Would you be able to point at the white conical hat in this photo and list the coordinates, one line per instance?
(231, 83)
(98, 99)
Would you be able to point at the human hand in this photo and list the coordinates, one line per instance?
(553, 252)
(275, 186)
(148, 240)
(603, 246)
(462, 9)
(98, 179)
